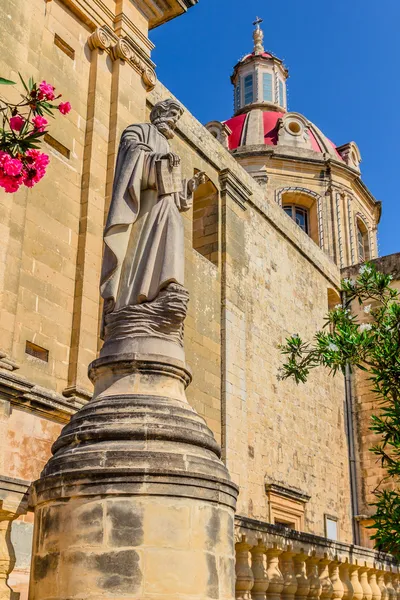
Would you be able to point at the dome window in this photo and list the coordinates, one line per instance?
(248, 89)
(281, 94)
(237, 96)
(294, 127)
(267, 87)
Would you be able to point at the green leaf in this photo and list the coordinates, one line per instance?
(23, 82)
(6, 81)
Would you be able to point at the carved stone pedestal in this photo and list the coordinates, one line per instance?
(135, 502)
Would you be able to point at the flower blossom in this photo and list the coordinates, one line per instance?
(39, 123)
(365, 327)
(367, 309)
(46, 91)
(17, 122)
(64, 108)
(349, 282)
(36, 163)
(365, 269)
(333, 347)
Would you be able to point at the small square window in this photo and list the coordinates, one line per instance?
(331, 528)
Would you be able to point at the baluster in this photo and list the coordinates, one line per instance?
(275, 577)
(396, 585)
(303, 583)
(315, 584)
(326, 584)
(376, 591)
(345, 577)
(244, 574)
(338, 589)
(259, 568)
(389, 586)
(382, 585)
(289, 576)
(366, 588)
(355, 582)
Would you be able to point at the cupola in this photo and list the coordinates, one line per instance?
(259, 79)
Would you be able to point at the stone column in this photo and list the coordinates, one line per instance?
(135, 500)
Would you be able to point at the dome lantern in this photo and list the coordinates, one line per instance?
(259, 79)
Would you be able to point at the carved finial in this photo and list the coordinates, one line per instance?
(258, 36)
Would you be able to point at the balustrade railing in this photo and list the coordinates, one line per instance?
(277, 563)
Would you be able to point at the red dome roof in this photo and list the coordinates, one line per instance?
(264, 54)
(270, 120)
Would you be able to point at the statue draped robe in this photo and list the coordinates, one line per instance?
(144, 238)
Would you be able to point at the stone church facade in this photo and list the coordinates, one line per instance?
(283, 216)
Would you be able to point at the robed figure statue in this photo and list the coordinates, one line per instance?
(142, 280)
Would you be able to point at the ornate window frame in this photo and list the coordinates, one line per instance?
(361, 217)
(300, 190)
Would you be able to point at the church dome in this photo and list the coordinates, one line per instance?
(273, 128)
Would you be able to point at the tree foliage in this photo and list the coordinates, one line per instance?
(373, 347)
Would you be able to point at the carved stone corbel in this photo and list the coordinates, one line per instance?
(100, 38)
(122, 50)
(125, 51)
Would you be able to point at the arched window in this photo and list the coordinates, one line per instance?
(299, 214)
(303, 208)
(205, 222)
(362, 241)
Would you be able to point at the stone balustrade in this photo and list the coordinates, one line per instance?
(277, 563)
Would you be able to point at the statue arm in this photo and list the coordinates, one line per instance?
(185, 200)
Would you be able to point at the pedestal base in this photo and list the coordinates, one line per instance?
(135, 502)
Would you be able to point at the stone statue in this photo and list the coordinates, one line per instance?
(142, 279)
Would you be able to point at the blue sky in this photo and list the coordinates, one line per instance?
(343, 58)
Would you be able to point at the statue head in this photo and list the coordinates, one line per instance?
(165, 116)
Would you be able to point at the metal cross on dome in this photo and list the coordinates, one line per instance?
(258, 22)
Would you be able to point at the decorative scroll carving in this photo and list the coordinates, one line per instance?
(100, 39)
(126, 50)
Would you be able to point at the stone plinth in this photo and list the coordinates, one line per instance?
(135, 502)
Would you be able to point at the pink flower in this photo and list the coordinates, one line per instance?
(39, 123)
(17, 122)
(64, 108)
(10, 184)
(13, 167)
(10, 166)
(46, 91)
(36, 163)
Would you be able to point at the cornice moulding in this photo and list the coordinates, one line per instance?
(26, 395)
(160, 11)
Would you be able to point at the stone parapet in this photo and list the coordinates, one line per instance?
(287, 564)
